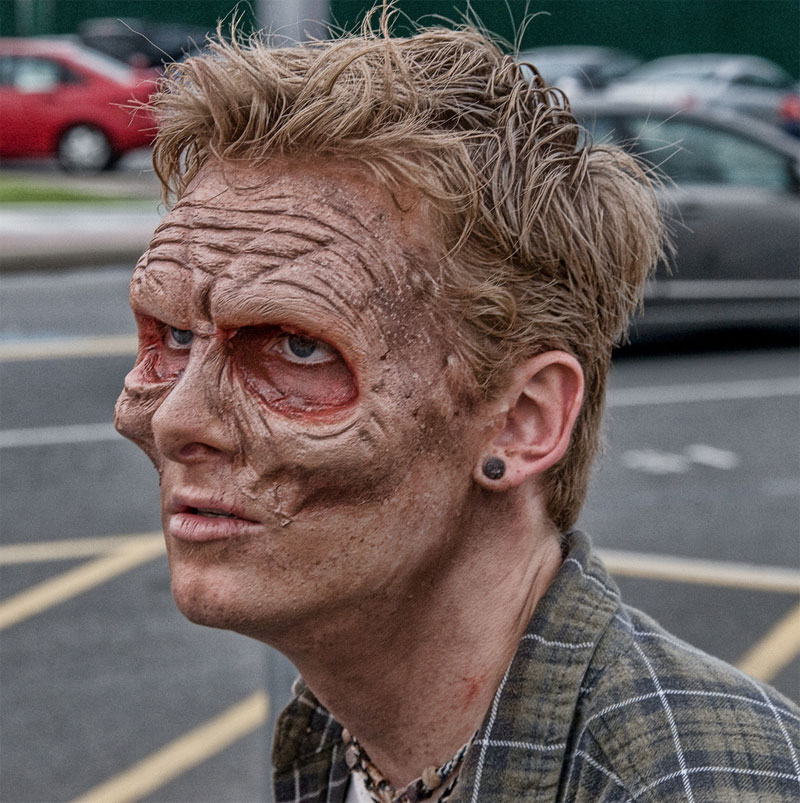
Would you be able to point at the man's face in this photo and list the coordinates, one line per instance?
(297, 390)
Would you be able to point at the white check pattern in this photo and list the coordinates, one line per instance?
(599, 705)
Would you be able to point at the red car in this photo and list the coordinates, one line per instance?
(58, 98)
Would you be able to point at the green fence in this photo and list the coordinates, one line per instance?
(648, 28)
(36, 17)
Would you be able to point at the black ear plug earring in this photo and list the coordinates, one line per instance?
(494, 468)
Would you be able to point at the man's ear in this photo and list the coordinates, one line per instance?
(534, 418)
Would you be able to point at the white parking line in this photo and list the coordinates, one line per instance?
(119, 345)
(704, 391)
(655, 461)
(624, 397)
(53, 436)
(61, 348)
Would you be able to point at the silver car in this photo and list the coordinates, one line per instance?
(579, 69)
(751, 85)
(731, 193)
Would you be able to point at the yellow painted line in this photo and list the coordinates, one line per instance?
(69, 584)
(703, 572)
(58, 348)
(621, 562)
(765, 659)
(181, 755)
(70, 549)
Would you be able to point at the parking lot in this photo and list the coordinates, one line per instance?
(107, 694)
(110, 695)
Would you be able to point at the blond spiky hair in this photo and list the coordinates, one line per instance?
(548, 242)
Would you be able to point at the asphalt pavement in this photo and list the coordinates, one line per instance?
(109, 695)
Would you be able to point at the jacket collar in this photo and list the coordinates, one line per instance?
(522, 747)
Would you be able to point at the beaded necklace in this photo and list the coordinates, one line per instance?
(382, 791)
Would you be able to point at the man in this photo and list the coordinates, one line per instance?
(375, 329)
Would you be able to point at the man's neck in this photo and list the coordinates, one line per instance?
(413, 678)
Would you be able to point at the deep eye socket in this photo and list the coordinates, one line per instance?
(304, 350)
(179, 338)
(292, 372)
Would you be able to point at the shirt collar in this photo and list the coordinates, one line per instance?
(520, 749)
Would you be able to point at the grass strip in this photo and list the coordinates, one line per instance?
(14, 192)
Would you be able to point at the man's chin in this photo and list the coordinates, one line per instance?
(214, 597)
(200, 601)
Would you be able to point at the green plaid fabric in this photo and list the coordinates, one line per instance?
(598, 704)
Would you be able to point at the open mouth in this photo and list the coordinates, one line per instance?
(188, 522)
(210, 513)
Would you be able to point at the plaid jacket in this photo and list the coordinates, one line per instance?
(598, 704)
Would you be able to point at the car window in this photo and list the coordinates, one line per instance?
(616, 69)
(601, 129)
(672, 72)
(6, 71)
(107, 66)
(36, 75)
(692, 153)
(772, 81)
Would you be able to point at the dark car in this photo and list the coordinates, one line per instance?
(578, 69)
(59, 98)
(731, 193)
(142, 43)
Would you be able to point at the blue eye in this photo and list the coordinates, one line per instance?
(301, 346)
(180, 338)
(304, 350)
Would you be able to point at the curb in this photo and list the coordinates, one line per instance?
(63, 236)
(55, 260)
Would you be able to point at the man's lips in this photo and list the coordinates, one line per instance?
(195, 518)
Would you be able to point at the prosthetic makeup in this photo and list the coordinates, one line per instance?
(293, 366)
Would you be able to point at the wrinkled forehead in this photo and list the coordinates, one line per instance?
(334, 232)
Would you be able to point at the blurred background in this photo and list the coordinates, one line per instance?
(106, 693)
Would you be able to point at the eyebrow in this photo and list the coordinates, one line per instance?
(309, 299)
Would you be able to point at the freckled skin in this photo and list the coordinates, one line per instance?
(352, 470)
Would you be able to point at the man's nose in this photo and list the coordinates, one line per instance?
(190, 424)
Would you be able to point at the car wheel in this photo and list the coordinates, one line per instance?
(84, 149)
